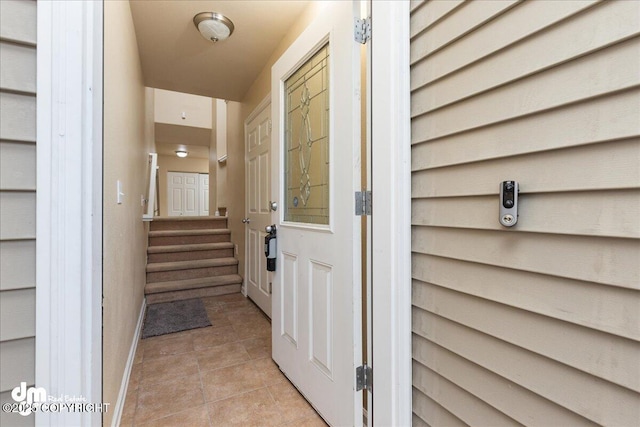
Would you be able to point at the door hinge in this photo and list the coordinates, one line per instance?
(362, 30)
(364, 378)
(364, 203)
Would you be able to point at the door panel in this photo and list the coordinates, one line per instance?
(191, 207)
(204, 194)
(289, 299)
(264, 193)
(258, 171)
(321, 305)
(316, 337)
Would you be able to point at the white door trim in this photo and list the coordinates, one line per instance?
(261, 106)
(69, 206)
(391, 219)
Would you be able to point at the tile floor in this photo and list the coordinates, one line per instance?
(221, 375)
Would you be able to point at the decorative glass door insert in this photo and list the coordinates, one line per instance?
(306, 153)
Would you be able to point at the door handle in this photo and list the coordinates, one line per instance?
(273, 206)
(246, 220)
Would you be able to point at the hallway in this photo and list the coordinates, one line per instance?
(221, 375)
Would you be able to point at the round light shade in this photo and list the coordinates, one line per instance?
(181, 153)
(213, 26)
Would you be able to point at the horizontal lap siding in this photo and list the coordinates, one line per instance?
(539, 324)
(17, 198)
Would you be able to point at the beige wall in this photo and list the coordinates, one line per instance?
(233, 194)
(17, 200)
(538, 324)
(170, 106)
(177, 164)
(127, 142)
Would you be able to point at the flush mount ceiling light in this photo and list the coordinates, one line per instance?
(213, 26)
(181, 153)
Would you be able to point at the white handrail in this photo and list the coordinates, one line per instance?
(151, 197)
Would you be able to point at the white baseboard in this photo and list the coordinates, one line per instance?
(117, 411)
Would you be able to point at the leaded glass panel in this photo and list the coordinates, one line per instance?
(306, 168)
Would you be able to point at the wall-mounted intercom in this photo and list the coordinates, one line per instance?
(270, 248)
(509, 203)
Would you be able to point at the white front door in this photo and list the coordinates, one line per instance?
(204, 194)
(258, 175)
(182, 193)
(316, 162)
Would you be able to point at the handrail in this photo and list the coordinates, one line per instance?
(151, 196)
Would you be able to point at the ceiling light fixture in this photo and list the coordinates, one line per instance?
(213, 26)
(181, 153)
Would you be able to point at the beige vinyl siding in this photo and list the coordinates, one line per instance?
(17, 199)
(538, 324)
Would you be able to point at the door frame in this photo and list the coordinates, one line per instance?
(391, 187)
(68, 351)
(56, 348)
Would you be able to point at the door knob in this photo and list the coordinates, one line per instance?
(246, 221)
(273, 206)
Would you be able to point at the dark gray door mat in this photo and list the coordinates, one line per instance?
(169, 317)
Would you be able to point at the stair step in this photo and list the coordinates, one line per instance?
(198, 232)
(182, 270)
(188, 265)
(183, 285)
(189, 247)
(188, 223)
(188, 237)
(189, 252)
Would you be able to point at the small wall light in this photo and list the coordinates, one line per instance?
(181, 153)
(213, 26)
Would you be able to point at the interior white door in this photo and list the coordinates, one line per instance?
(316, 151)
(204, 194)
(182, 193)
(258, 191)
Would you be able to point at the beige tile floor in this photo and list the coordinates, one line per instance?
(221, 375)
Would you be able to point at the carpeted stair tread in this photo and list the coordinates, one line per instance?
(190, 218)
(168, 233)
(181, 285)
(189, 247)
(185, 265)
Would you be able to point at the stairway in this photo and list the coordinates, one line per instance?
(190, 257)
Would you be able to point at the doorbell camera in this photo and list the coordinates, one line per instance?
(509, 203)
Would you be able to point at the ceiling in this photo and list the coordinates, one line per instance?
(170, 138)
(176, 57)
(169, 149)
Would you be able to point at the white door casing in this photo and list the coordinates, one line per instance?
(391, 219)
(68, 329)
(258, 193)
(316, 305)
(182, 194)
(203, 194)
